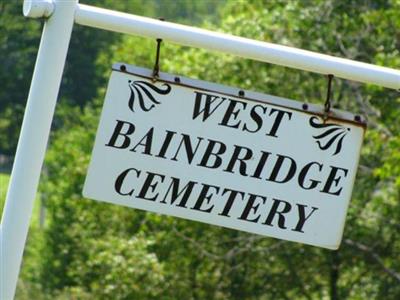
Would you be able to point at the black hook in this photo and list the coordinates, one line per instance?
(327, 106)
(156, 68)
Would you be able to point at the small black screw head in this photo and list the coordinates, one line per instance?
(241, 93)
(177, 79)
(122, 68)
(305, 106)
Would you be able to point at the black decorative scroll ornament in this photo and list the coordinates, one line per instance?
(143, 92)
(331, 134)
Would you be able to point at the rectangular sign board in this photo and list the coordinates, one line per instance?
(219, 155)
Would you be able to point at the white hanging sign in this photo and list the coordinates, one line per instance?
(222, 156)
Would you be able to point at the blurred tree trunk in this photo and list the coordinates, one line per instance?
(334, 275)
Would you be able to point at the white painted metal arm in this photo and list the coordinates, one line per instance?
(247, 48)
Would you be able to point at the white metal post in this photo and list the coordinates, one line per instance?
(34, 133)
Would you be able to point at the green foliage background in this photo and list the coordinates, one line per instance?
(86, 249)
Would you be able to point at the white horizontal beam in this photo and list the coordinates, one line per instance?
(247, 48)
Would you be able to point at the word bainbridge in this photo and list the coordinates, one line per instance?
(205, 156)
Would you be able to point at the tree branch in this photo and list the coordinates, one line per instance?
(374, 256)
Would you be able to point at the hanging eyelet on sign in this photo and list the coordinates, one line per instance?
(327, 105)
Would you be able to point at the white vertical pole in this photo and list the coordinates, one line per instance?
(34, 133)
